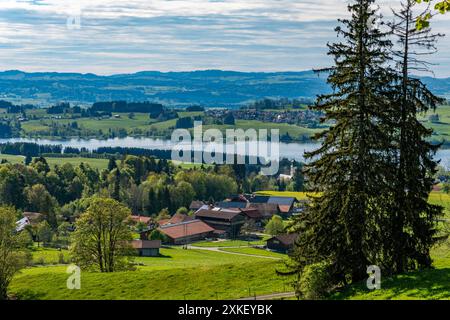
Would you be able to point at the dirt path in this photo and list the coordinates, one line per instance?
(217, 249)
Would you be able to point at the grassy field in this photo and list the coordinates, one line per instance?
(293, 130)
(139, 121)
(230, 243)
(94, 163)
(442, 127)
(75, 161)
(255, 251)
(297, 195)
(47, 256)
(12, 158)
(210, 275)
(424, 284)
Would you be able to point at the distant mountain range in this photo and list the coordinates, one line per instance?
(211, 88)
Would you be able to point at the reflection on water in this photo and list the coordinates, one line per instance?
(287, 150)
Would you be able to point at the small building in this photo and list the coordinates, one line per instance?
(147, 248)
(187, 232)
(229, 221)
(285, 204)
(282, 242)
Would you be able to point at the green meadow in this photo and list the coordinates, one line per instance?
(178, 274)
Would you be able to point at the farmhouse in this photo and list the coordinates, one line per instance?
(186, 232)
(229, 221)
(147, 248)
(282, 242)
(285, 204)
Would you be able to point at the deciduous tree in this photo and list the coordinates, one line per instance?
(101, 239)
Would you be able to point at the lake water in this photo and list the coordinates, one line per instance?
(291, 151)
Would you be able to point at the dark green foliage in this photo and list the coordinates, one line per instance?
(184, 123)
(229, 119)
(374, 169)
(413, 220)
(112, 164)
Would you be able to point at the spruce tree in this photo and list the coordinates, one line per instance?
(413, 224)
(350, 169)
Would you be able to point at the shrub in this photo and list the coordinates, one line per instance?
(61, 259)
(314, 282)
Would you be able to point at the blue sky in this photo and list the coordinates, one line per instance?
(124, 36)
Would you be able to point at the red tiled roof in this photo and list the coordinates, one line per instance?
(179, 217)
(437, 187)
(284, 208)
(163, 221)
(142, 219)
(185, 229)
(222, 214)
(146, 244)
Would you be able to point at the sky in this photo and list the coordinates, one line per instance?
(125, 36)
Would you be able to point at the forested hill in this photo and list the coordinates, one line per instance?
(208, 88)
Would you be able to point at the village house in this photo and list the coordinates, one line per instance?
(229, 221)
(282, 242)
(285, 204)
(147, 248)
(186, 232)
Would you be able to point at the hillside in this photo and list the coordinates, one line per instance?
(213, 88)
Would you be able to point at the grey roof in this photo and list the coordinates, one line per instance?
(222, 215)
(259, 199)
(282, 201)
(232, 204)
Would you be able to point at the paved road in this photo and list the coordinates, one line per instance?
(217, 249)
(271, 296)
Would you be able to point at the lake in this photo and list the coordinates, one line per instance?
(292, 151)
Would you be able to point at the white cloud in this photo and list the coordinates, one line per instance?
(133, 35)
